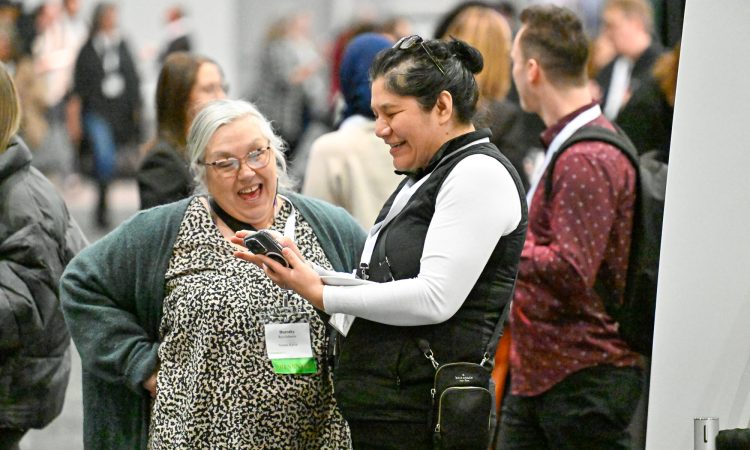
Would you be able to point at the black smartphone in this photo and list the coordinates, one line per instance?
(262, 243)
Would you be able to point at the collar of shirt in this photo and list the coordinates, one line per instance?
(549, 134)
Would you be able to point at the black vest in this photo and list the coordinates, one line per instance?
(381, 373)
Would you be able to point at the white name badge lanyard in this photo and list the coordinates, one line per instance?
(567, 131)
(400, 202)
(291, 221)
(288, 345)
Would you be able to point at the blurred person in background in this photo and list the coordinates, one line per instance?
(60, 33)
(29, 87)
(37, 239)
(186, 83)
(10, 11)
(396, 27)
(526, 152)
(340, 42)
(488, 31)
(13, 13)
(74, 24)
(629, 26)
(601, 52)
(351, 167)
(178, 33)
(107, 95)
(647, 117)
(291, 88)
(442, 27)
(171, 326)
(668, 18)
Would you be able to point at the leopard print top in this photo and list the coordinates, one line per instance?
(216, 387)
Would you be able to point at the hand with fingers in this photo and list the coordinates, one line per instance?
(298, 276)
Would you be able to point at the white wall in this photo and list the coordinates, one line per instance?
(701, 361)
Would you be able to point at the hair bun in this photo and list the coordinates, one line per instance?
(468, 55)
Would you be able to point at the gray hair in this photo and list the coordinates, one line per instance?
(222, 112)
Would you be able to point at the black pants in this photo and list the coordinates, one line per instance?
(380, 435)
(590, 409)
(10, 437)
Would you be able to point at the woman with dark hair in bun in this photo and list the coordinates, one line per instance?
(439, 265)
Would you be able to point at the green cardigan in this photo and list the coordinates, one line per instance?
(112, 295)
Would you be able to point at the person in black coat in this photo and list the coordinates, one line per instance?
(629, 25)
(647, 117)
(107, 85)
(177, 32)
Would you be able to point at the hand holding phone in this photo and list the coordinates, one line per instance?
(262, 243)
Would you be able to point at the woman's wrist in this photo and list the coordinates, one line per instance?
(314, 295)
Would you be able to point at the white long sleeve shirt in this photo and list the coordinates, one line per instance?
(479, 202)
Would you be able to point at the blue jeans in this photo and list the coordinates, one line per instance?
(588, 410)
(99, 132)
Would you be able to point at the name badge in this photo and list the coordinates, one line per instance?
(289, 348)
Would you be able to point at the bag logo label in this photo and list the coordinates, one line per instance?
(463, 378)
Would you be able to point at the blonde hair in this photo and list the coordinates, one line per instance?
(486, 30)
(10, 108)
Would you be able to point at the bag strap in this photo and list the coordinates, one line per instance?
(617, 138)
(424, 344)
(499, 327)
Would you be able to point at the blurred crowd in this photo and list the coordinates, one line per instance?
(81, 90)
(82, 114)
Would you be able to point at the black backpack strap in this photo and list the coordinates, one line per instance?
(589, 133)
(618, 139)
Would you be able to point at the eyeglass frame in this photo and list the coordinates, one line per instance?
(236, 166)
(408, 42)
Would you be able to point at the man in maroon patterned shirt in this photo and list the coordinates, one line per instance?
(575, 383)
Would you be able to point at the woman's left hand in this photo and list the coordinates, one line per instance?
(299, 277)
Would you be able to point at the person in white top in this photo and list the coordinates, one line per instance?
(61, 34)
(441, 262)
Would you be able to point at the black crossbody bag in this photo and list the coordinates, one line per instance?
(463, 398)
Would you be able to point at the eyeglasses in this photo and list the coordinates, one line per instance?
(256, 159)
(407, 42)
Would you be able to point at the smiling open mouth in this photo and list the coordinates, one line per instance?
(250, 193)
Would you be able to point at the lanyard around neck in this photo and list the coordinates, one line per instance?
(237, 225)
(567, 131)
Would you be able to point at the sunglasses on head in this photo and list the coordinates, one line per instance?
(408, 42)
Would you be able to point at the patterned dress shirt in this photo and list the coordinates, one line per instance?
(558, 323)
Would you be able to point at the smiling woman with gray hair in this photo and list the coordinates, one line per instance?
(160, 308)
